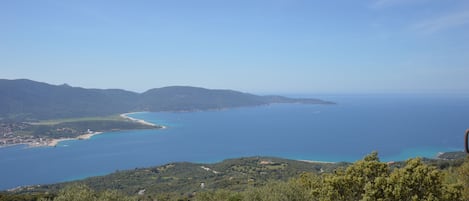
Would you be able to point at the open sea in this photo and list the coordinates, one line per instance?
(397, 126)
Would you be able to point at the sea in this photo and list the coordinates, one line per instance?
(397, 126)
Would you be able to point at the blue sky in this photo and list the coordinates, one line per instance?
(271, 46)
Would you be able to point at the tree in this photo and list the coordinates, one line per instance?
(364, 176)
(84, 193)
(416, 181)
(219, 195)
(464, 178)
(369, 179)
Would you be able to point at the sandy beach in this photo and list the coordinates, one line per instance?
(87, 136)
(141, 121)
(54, 142)
(310, 161)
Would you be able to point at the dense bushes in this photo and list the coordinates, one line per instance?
(84, 193)
(365, 180)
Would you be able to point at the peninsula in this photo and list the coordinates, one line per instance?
(51, 132)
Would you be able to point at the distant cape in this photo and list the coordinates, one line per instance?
(24, 99)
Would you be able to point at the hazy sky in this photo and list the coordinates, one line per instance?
(296, 46)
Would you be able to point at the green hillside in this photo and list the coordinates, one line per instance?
(269, 179)
(27, 100)
(232, 174)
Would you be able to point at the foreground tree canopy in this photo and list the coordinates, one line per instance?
(365, 180)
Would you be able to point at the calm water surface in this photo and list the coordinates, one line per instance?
(397, 126)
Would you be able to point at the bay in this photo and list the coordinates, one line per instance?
(397, 126)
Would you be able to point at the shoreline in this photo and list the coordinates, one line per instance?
(140, 121)
(86, 136)
(313, 161)
(55, 142)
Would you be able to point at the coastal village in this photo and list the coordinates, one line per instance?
(9, 135)
(13, 134)
(34, 134)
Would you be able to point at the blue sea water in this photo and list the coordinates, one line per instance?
(397, 126)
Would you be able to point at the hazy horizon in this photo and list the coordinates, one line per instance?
(283, 93)
(262, 47)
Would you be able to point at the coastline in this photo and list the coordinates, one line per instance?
(140, 121)
(54, 142)
(311, 161)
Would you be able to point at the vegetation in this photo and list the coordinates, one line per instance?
(367, 179)
(232, 174)
(452, 155)
(42, 133)
(73, 129)
(67, 120)
(26, 100)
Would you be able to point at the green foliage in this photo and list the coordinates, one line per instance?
(232, 174)
(365, 180)
(248, 179)
(463, 176)
(84, 193)
(219, 195)
(370, 179)
(452, 155)
(75, 128)
(24, 197)
(306, 187)
(64, 120)
(416, 181)
(363, 176)
(76, 193)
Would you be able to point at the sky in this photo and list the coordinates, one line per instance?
(257, 46)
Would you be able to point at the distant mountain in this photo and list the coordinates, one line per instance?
(30, 100)
(193, 98)
(26, 99)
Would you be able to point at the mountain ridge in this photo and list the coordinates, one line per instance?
(24, 99)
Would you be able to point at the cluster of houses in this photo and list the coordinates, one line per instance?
(8, 135)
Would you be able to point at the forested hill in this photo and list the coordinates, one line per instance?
(30, 100)
(231, 174)
(270, 179)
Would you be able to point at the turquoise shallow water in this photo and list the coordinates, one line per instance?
(397, 126)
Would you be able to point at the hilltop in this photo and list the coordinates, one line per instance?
(266, 178)
(29, 100)
(183, 177)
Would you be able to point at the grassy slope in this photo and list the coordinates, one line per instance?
(64, 120)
